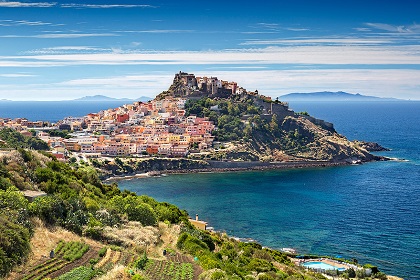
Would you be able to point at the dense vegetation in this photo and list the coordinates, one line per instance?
(13, 139)
(77, 200)
(234, 259)
(239, 119)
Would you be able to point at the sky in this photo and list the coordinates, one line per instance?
(64, 50)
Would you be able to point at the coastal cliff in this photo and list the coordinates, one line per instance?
(252, 127)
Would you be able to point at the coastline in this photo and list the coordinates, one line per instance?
(259, 166)
(221, 167)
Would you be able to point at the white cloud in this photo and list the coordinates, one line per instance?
(57, 35)
(296, 29)
(414, 28)
(362, 29)
(17, 4)
(157, 31)
(104, 6)
(23, 23)
(326, 55)
(150, 81)
(273, 28)
(268, 25)
(319, 41)
(67, 50)
(72, 35)
(16, 75)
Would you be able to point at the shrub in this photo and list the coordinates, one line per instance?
(141, 263)
(218, 275)
(380, 275)
(102, 251)
(351, 272)
(372, 267)
(142, 213)
(14, 244)
(193, 245)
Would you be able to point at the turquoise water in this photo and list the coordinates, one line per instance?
(370, 212)
(321, 265)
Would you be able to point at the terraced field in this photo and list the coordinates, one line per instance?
(175, 267)
(112, 258)
(68, 255)
(75, 258)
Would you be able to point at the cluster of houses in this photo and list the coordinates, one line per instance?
(158, 127)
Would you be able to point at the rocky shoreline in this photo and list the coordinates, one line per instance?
(235, 166)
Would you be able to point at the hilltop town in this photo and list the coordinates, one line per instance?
(158, 127)
(200, 118)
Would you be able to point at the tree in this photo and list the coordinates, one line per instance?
(14, 244)
(274, 126)
(142, 213)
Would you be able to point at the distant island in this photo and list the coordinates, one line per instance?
(107, 98)
(332, 96)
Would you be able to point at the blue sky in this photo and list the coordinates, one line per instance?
(126, 49)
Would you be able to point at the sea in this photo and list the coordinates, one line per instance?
(53, 111)
(370, 212)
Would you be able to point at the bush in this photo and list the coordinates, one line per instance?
(141, 263)
(218, 275)
(372, 267)
(102, 251)
(142, 213)
(14, 244)
(191, 244)
(351, 272)
(380, 275)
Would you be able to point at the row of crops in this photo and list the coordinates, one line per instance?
(69, 254)
(65, 253)
(168, 270)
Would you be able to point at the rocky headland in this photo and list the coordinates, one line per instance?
(252, 132)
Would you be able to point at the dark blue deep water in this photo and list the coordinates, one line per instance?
(370, 212)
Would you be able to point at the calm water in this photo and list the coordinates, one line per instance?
(370, 212)
(53, 111)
